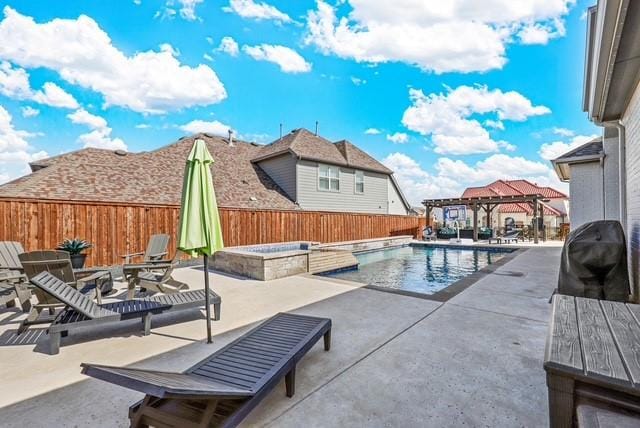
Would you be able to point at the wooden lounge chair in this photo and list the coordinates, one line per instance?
(155, 252)
(13, 282)
(83, 312)
(58, 263)
(222, 389)
(154, 277)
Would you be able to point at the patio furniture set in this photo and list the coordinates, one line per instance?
(219, 391)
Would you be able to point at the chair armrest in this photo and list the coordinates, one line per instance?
(94, 276)
(154, 257)
(127, 257)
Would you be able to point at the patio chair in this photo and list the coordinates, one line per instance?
(58, 263)
(155, 252)
(13, 282)
(81, 311)
(155, 277)
(511, 236)
(428, 234)
(222, 389)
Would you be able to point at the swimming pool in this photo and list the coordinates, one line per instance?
(419, 269)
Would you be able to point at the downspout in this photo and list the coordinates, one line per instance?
(622, 168)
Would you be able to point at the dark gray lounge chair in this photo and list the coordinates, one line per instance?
(512, 236)
(222, 389)
(83, 312)
(155, 252)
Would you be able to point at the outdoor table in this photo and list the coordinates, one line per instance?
(104, 283)
(592, 354)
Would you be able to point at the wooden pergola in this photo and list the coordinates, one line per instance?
(488, 204)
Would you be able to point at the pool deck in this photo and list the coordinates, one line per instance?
(396, 360)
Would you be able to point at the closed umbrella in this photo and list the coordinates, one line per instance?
(199, 229)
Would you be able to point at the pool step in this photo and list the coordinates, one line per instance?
(327, 260)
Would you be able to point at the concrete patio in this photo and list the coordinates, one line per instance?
(395, 360)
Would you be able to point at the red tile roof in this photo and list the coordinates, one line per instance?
(515, 188)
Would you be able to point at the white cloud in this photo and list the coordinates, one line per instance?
(187, 9)
(564, 132)
(454, 35)
(28, 111)
(14, 83)
(143, 126)
(540, 33)
(451, 177)
(83, 117)
(100, 134)
(83, 54)
(398, 138)
(53, 95)
(15, 151)
(286, 58)
(556, 149)
(495, 124)
(358, 81)
(207, 57)
(201, 126)
(258, 11)
(372, 131)
(229, 46)
(446, 117)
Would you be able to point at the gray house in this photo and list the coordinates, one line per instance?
(592, 171)
(320, 175)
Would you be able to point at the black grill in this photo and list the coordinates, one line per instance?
(594, 262)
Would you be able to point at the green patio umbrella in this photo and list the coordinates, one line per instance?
(199, 232)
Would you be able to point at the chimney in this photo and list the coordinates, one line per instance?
(280, 132)
(316, 127)
(230, 138)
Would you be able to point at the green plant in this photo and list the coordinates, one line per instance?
(74, 246)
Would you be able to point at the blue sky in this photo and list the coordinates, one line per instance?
(452, 94)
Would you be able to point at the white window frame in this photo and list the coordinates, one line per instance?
(331, 179)
(355, 182)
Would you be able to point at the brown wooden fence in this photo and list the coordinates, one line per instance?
(116, 229)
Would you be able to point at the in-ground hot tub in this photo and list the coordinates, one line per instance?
(264, 261)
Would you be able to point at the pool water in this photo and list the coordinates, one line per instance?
(420, 269)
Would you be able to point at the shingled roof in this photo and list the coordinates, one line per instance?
(591, 151)
(153, 177)
(306, 145)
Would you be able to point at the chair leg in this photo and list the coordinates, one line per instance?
(327, 340)
(146, 324)
(33, 315)
(290, 382)
(24, 296)
(54, 343)
(11, 303)
(216, 311)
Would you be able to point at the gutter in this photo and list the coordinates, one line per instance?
(622, 168)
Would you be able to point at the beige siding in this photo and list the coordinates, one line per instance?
(631, 121)
(374, 199)
(282, 170)
(396, 205)
(586, 193)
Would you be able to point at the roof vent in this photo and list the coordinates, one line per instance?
(120, 152)
(253, 199)
(230, 138)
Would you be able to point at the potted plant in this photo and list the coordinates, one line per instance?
(75, 247)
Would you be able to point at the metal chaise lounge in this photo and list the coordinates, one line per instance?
(511, 236)
(222, 389)
(82, 312)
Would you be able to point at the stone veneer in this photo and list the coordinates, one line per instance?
(262, 266)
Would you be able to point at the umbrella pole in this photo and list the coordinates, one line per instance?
(206, 297)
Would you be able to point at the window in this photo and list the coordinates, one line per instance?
(359, 182)
(329, 178)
